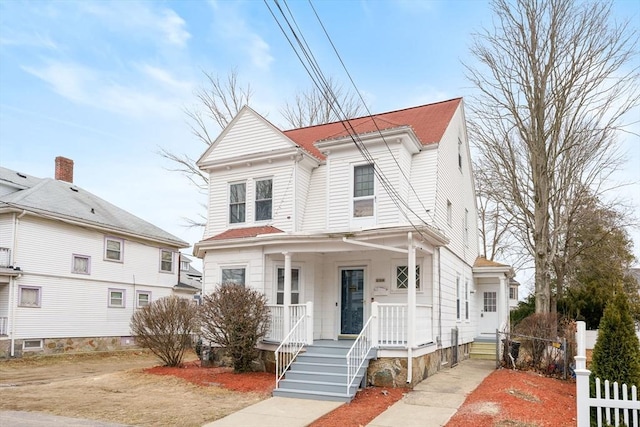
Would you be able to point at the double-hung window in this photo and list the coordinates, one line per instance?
(113, 249)
(264, 197)
(233, 275)
(363, 191)
(237, 203)
(458, 301)
(295, 286)
(143, 298)
(466, 227)
(166, 261)
(116, 298)
(466, 300)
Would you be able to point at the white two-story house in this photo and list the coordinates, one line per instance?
(363, 229)
(73, 267)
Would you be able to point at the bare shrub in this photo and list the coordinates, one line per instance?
(539, 325)
(165, 327)
(236, 318)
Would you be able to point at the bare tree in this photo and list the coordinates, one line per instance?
(555, 79)
(316, 107)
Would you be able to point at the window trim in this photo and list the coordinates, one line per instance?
(234, 267)
(458, 299)
(394, 275)
(138, 293)
(256, 200)
(353, 199)
(466, 301)
(39, 297)
(73, 264)
(162, 251)
(229, 185)
(513, 288)
(40, 347)
(124, 298)
(293, 267)
(115, 239)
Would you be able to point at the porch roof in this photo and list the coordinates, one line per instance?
(483, 267)
(329, 241)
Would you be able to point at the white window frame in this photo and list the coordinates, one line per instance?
(466, 300)
(106, 244)
(73, 264)
(38, 290)
(138, 294)
(394, 275)
(233, 267)
(229, 185)
(458, 299)
(184, 265)
(256, 200)
(354, 198)
(299, 291)
(162, 252)
(491, 305)
(513, 289)
(40, 345)
(110, 299)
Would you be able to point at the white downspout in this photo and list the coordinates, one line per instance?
(411, 305)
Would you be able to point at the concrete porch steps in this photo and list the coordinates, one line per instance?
(320, 373)
(483, 350)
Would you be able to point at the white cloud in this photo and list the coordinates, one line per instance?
(166, 79)
(86, 86)
(36, 39)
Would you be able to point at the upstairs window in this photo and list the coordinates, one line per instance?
(460, 154)
(81, 264)
(363, 191)
(263, 199)
(113, 249)
(166, 261)
(237, 203)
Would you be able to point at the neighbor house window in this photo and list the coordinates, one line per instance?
(31, 345)
(166, 261)
(116, 298)
(113, 249)
(237, 203)
(402, 277)
(449, 212)
(81, 264)
(460, 154)
(363, 191)
(233, 275)
(466, 300)
(490, 302)
(263, 199)
(295, 286)
(29, 296)
(513, 292)
(458, 308)
(143, 298)
(184, 265)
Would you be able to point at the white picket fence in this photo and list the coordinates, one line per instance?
(613, 408)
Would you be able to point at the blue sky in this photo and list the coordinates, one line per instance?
(106, 83)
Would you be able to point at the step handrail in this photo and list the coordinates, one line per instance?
(359, 350)
(290, 347)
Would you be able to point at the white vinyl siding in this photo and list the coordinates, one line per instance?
(315, 211)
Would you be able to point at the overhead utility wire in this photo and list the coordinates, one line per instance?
(321, 83)
(366, 106)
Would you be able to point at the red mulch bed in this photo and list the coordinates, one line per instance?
(259, 382)
(517, 398)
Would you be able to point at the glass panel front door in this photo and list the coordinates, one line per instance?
(352, 313)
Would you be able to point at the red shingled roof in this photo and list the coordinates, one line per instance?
(428, 122)
(239, 233)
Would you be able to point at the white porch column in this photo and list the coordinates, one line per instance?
(286, 302)
(411, 305)
(503, 302)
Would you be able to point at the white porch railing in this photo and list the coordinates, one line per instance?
(367, 339)
(393, 322)
(277, 330)
(300, 335)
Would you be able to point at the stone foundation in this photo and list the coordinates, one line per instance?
(66, 345)
(393, 371)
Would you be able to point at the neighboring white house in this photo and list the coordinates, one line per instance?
(73, 267)
(190, 282)
(374, 218)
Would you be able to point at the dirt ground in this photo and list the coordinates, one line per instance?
(114, 388)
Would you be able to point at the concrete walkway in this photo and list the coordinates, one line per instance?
(431, 403)
(436, 399)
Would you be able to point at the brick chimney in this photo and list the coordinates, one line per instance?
(64, 169)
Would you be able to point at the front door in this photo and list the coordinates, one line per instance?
(488, 312)
(352, 299)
